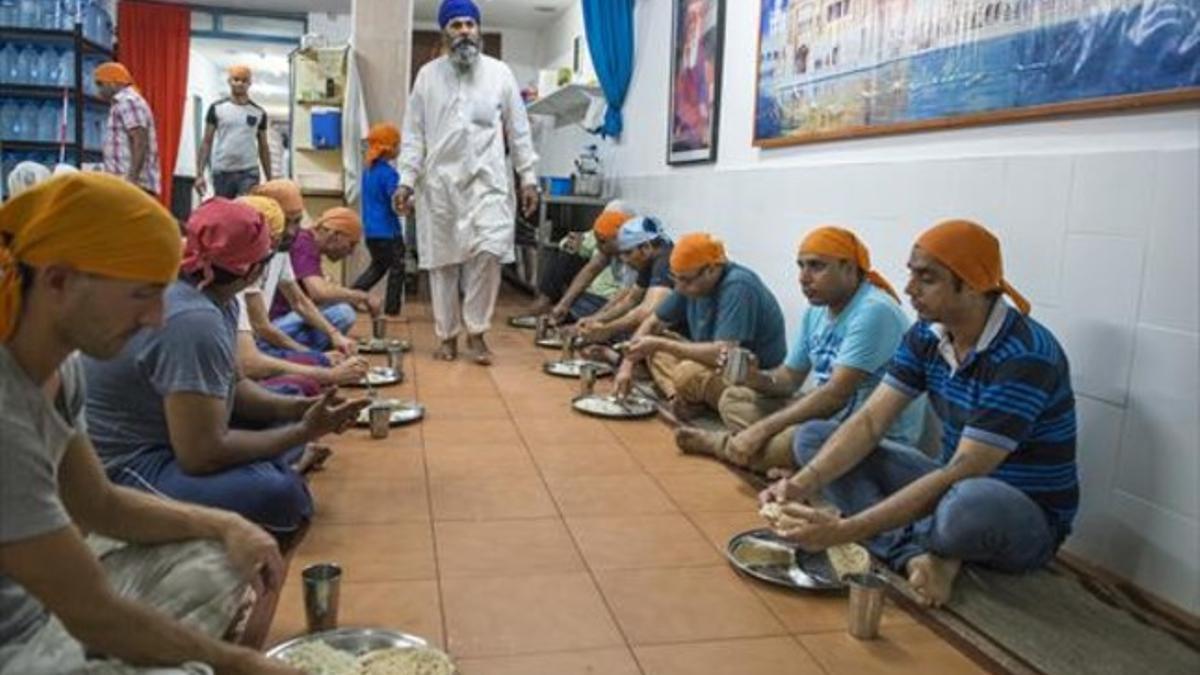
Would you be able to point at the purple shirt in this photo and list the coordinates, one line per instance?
(306, 262)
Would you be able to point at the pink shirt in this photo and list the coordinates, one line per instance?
(130, 111)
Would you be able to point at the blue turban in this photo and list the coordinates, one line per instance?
(638, 231)
(453, 9)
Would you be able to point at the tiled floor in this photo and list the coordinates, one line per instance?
(527, 540)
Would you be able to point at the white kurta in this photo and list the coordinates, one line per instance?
(452, 155)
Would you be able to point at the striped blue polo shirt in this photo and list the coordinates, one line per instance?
(1013, 391)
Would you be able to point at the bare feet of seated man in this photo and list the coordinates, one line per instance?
(932, 578)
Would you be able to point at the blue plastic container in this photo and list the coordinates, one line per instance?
(560, 186)
(327, 128)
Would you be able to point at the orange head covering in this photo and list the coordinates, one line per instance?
(112, 73)
(696, 250)
(94, 222)
(973, 254)
(382, 138)
(284, 191)
(239, 71)
(269, 209)
(608, 223)
(227, 235)
(836, 242)
(342, 219)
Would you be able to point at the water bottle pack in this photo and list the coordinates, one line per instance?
(94, 16)
(40, 65)
(38, 120)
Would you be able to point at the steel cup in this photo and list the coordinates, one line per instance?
(395, 358)
(379, 327)
(866, 605)
(322, 586)
(380, 414)
(587, 379)
(737, 366)
(543, 327)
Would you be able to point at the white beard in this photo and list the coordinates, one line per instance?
(464, 54)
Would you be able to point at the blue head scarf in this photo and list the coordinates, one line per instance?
(452, 9)
(638, 231)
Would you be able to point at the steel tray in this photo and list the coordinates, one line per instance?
(570, 367)
(609, 406)
(805, 571)
(403, 412)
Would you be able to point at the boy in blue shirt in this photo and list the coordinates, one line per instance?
(381, 225)
(1004, 491)
(850, 331)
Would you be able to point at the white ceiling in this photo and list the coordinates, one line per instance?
(506, 13)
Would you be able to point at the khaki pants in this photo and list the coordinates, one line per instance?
(190, 582)
(686, 380)
(741, 407)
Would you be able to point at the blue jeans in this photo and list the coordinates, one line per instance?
(267, 492)
(983, 521)
(341, 315)
(587, 304)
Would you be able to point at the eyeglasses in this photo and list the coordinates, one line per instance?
(678, 279)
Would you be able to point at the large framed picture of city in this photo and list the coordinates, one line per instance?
(830, 69)
(696, 44)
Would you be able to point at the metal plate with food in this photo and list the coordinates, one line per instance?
(571, 367)
(382, 345)
(403, 412)
(379, 376)
(549, 342)
(764, 555)
(363, 651)
(607, 405)
(528, 321)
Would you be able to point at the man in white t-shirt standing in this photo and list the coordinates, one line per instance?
(235, 135)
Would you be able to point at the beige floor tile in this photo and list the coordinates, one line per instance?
(608, 495)
(369, 500)
(505, 547)
(659, 458)
(760, 656)
(582, 459)
(642, 433)
(684, 604)
(709, 492)
(817, 613)
(407, 606)
(553, 430)
(901, 649)
(613, 661)
(637, 542)
(719, 528)
(450, 461)
(465, 407)
(491, 498)
(391, 552)
(523, 615)
(378, 461)
(448, 432)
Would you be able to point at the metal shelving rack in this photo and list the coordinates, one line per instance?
(82, 46)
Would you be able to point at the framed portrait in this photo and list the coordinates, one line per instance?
(830, 69)
(697, 39)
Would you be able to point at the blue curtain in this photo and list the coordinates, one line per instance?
(609, 28)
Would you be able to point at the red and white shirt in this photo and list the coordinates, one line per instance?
(130, 111)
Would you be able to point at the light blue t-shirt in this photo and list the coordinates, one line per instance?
(194, 352)
(864, 337)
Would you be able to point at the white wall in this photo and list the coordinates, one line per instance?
(205, 80)
(518, 49)
(1098, 217)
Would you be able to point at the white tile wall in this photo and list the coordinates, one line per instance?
(1098, 450)
(1173, 257)
(1156, 549)
(1034, 225)
(1109, 191)
(1159, 460)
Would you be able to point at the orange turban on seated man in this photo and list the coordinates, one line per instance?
(269, 209)
(835, 242)
(696, 250)
(94, 222)
(973, 254)
(284, 191)
(342, 219)
(112, 73)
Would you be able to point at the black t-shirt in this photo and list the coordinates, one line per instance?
(658, 272)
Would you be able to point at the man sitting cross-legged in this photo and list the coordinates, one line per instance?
(1005, 489)
(84, 259)
(159, 413)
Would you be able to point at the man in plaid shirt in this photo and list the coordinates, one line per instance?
(130, 144)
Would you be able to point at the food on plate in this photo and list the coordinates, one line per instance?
(849, 559)
(763, 554)
(318, 658)
(405, 661)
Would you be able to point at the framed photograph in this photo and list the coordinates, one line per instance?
(696, 44)
(830, 69)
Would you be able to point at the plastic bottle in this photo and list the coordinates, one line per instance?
(8, 119)
(35, 74)
(69, 9)
(50, 63)
(48, 118)
(10, 13)
(8, 61)
(66, 68)
(48, 20)
(29, 120)
(26, 65)
(29, 15)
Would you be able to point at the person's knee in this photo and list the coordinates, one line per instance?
(992, 521)
(734, 403)
(340, 315)
(808, 439)
(279, 501)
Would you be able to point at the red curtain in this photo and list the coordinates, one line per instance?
(153, 41)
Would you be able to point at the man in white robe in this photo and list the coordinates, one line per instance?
(463, 110)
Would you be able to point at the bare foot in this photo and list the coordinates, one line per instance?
(693, 441)
(932, 578)
(448, 351)
(312, 459)
(479, 350)
(777, 473)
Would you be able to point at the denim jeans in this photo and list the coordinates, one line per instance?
(983, 521)
(233, 184)
(341, 315)
(586, 305)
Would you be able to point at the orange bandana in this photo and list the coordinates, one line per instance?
(112, 73)
(382, 137)
(269, 209)
(696, 250)
(608, 223)
(284, 191)
(342, 219)
(94, 222)
(973, 254)
(836, 242)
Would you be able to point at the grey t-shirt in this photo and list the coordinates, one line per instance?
(33, 439)
(193, 352)
(235, 145)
